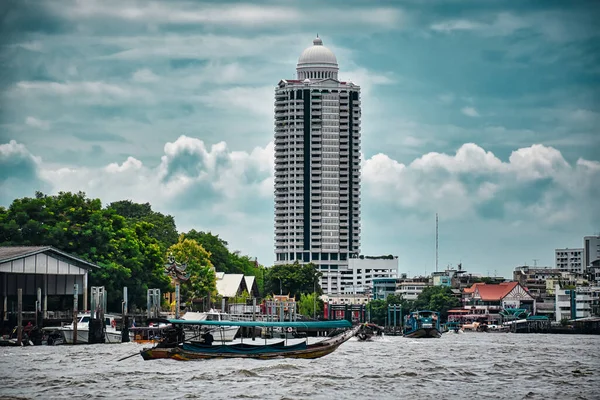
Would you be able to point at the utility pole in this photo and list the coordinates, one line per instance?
(436, 242)
(535, 260)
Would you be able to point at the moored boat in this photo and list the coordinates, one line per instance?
(422, 324)
(111, 334)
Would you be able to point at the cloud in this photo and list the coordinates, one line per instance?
(556, 26)
(37, 123)
(144, 76)
(536, 184)
(469, 111)
(239, 14)
(19, 172)
(95, 92)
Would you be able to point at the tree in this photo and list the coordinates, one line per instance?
(163, 226)
(436, 298)
(293, 279)
(217, 247)
(310, 304)
(202, 278)
(378, 311)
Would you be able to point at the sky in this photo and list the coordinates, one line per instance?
(485, 112)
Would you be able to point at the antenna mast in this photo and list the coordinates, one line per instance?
(436, 242)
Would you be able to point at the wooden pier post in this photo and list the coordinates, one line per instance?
(75, 305)
(19, 316)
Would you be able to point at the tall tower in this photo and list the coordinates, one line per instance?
(317, 168)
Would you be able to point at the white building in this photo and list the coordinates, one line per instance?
(584, 299)
(570, 260)
(591, 250)
(362, 271)
(411, 290)
(317, 167)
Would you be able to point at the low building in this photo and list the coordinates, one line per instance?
(362, 271)
(42, 271)
(534, 279)
(486, 301)
(575, 303)
(345, 298)
(411, 289)
(382, 287)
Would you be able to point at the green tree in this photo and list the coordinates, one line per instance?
(202, 278)
(310, 305)
(378, 311)
(293, 279)
(217, 247)
(125, 253)
(436, 298)
(163, 227)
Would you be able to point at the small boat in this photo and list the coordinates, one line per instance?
(422, 324)
(197, 351)
(368, 330)
(111, 334)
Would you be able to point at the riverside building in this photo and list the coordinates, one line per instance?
(317, 168)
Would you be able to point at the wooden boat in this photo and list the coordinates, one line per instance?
(188, 351)
(422, 324)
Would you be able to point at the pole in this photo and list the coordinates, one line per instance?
(19, 316)
(75, 300)
(177, 301)
(315, 299)
(436, 242)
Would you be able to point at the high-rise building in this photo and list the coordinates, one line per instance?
(317, 168)
(591, 250)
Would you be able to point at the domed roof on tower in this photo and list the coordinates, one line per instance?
(317, 54)
(317, 62)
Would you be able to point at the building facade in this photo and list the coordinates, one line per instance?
(591, 250)
(362, 271)
(317, 167)
(570, 260)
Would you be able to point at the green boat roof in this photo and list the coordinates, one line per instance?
(291, 324)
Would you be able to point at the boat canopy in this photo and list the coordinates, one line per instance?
(285, 324)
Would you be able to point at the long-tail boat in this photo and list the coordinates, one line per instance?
(185, 351)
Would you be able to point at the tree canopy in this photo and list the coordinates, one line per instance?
(201, 281)
(293, 279)
(128, 241)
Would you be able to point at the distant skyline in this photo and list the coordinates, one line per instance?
(484, 112)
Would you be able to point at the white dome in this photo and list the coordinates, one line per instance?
(317, 54)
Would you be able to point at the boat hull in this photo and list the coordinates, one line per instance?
(424, 333)
(83, 334)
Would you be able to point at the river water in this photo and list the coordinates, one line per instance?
(456, 366)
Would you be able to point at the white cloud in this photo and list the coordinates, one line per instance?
(469, 111)
(240, 14)
(37, 123)
(144, 75)
(86, 92)
(456, 185)
(456, 25)
(557, 26)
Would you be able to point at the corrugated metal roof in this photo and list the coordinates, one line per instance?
(10, 253)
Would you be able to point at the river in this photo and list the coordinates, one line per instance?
(456, 366)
